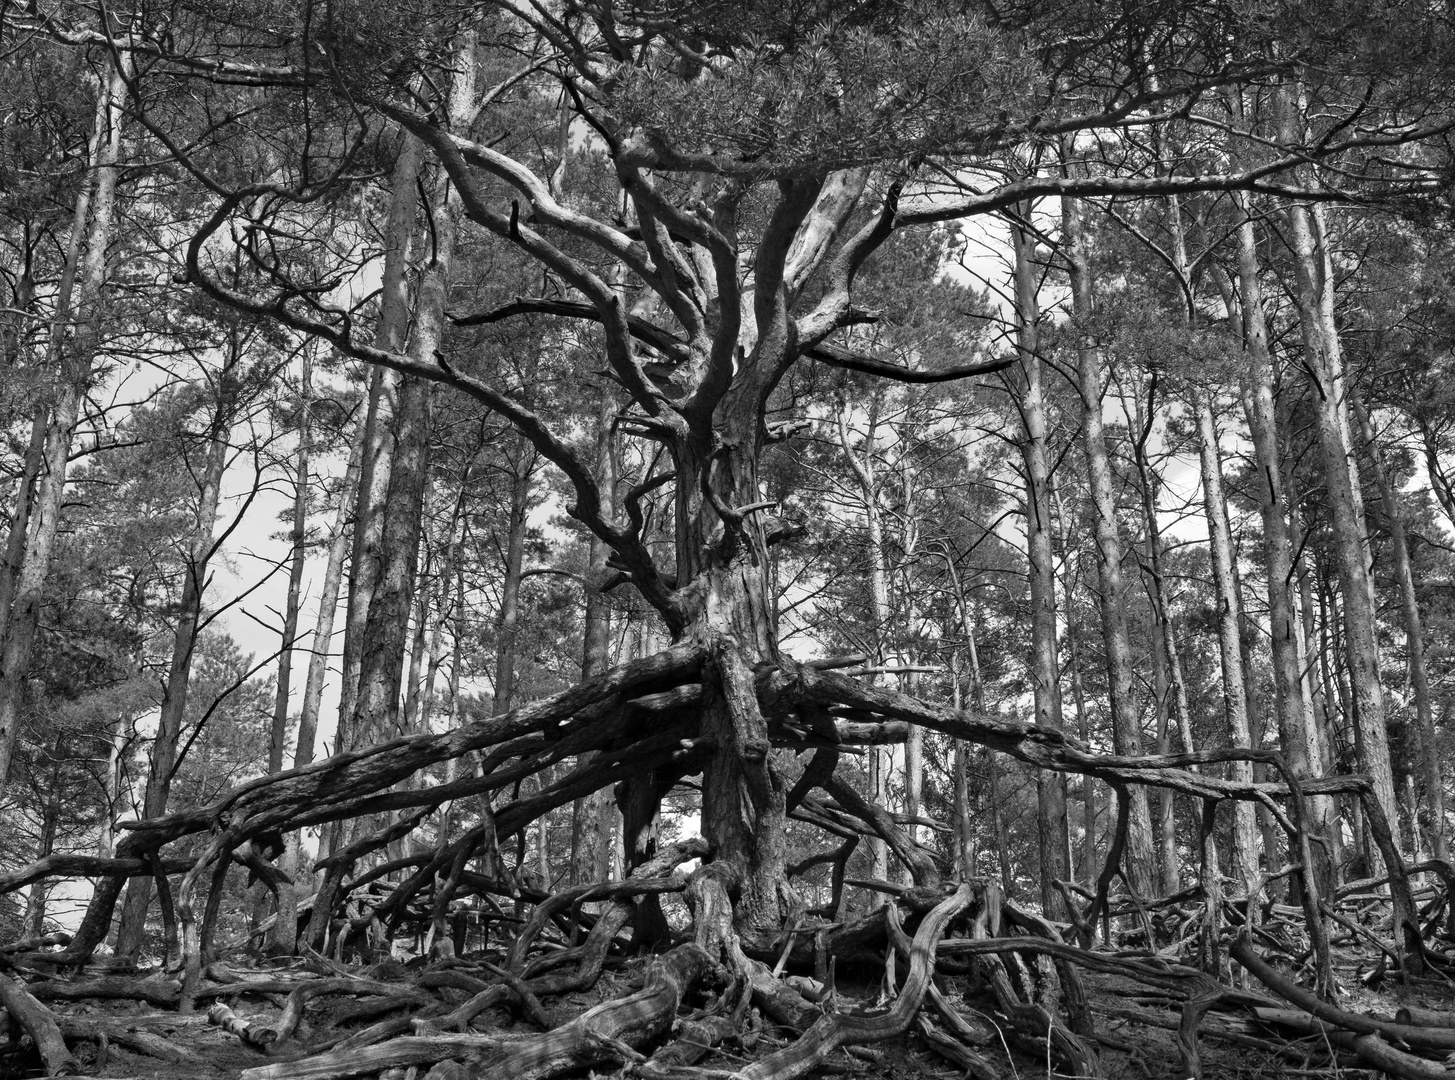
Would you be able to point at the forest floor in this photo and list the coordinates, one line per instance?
(353, 1017)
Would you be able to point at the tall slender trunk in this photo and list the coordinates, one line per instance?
(279, 731)
(1052, 835)
(71, 357)
(376, 463)
(965, 854)
(1324, 364)
(863, 466)
(1317, 723)
(914, 746)
(1126, 719)
(1069, 580)
(1414, 632)
(1167, 660)
(1168, 863)
(1313, 296)
(285, 921)
(591, 817)
(34, 920)
(1296, 735)
(508, 622)
(419, 648)
(200, 550)
(333, 574)
(1230, 648)
(111, 782)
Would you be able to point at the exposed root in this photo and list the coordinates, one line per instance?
(611, 1031)
(843, 1028)
(1037, 990)
(40, 1024)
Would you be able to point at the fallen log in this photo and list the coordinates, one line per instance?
(1372, 1050)
(40, 1023)
(1430, 1038)
(254, 1035)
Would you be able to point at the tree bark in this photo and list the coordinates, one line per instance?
(1230, 649)
(278, 736)
(1433, 777)
(1052, 835)
(1126, 720)
(864, 468)
(1069, 580)
(1298, 740)
(591, 817)
(333, 575)
(71, 357)
(200, 549)
(1324, 364)
(379, 425)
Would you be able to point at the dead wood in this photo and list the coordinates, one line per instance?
(1372, 1050)
(159, 992)
(647, 878)
(45, 941)
(836, 1029)
(610, 1031)
(976, 1065)
(254, 1035)
(1413, 1014)
(405, 1052)
(40, 1024)
(1430, 1038)
(305, 992)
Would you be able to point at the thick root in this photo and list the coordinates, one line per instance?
(610, 1031)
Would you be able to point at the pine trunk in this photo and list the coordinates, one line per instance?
(1052, 835)
(75, 339)
(1432, 774)
(1140, 861)
(200, 550)
(1230, 648)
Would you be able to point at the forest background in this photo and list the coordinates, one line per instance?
(904, 444)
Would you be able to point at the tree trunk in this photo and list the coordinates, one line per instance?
(279, 732)
(1296, 735)
(726, 606)
(333, 574)
(201, 547)
(1235, 701)
(1414, 633)
(914, 752)
(864, 469)
(1126, 720)
(71, 356)
(965, 854)
(34, 921)
(1069, 580)
(1052, 835)
(508, 623)
(1167, 659)
(380, 425)
(591, 817)
(1324, 364)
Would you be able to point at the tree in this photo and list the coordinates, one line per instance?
(698, 192)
